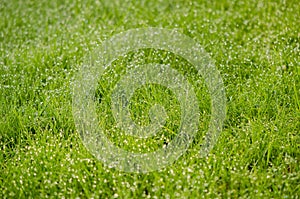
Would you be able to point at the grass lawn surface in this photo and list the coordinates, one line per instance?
(255, 45)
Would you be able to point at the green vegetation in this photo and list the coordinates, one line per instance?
(256, 48)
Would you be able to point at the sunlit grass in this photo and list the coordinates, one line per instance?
(256, 48)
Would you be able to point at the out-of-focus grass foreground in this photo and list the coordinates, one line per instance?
(256, 48)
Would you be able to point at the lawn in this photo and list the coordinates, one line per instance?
(255, 46)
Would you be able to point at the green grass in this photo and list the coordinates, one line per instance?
(256, 47)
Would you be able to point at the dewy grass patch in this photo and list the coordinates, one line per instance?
(147, 96)
(256, 48)
(136, 76)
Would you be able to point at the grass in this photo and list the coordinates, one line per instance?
(255, 45)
